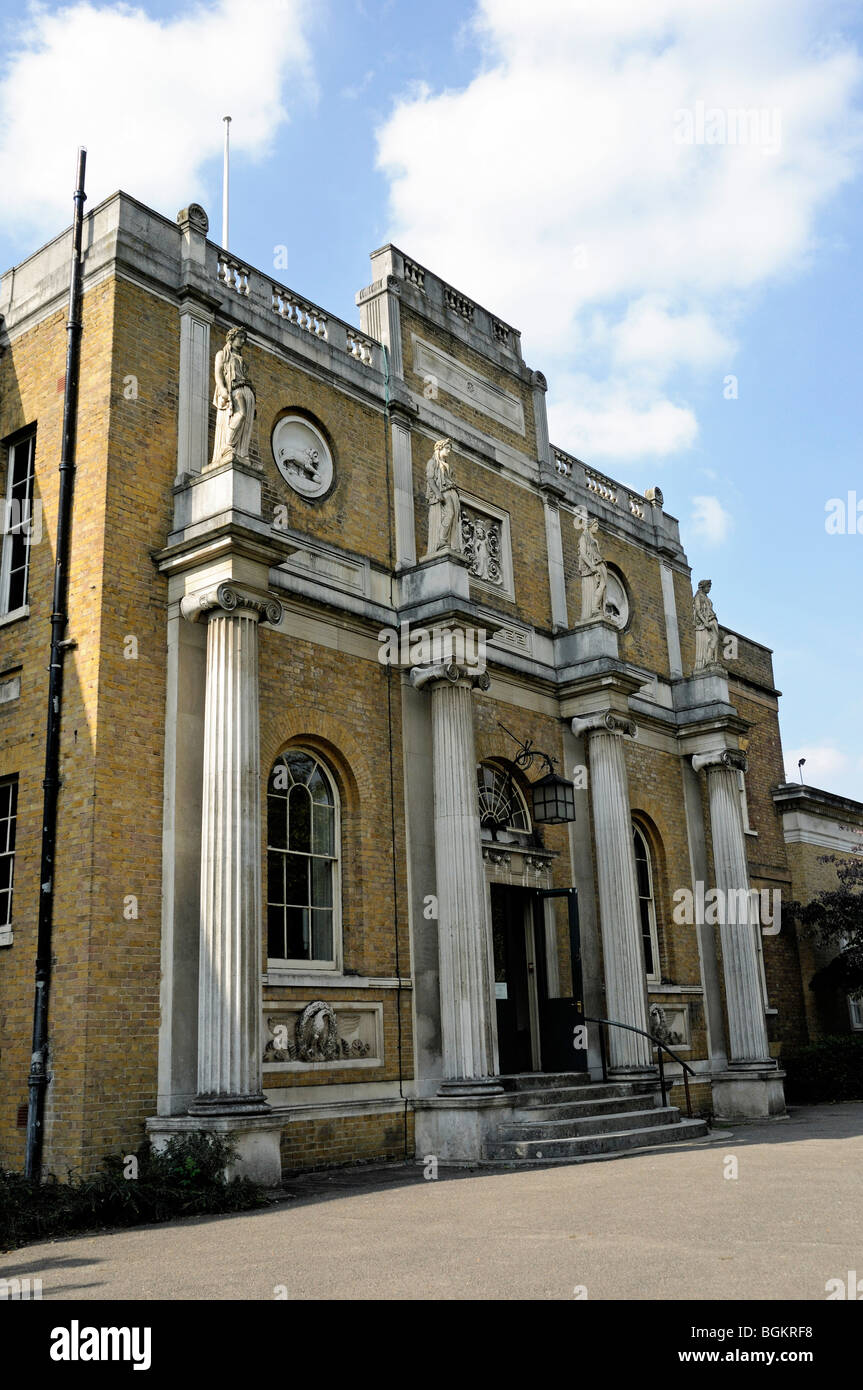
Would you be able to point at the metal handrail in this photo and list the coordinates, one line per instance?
(660, 1047)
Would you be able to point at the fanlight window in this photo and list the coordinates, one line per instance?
(302, 861)
(501, 804)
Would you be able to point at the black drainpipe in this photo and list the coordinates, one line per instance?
(38, 1079)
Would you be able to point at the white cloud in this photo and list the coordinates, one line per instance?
(145, 95)
(710, 521)
(827, 767)
(552, 189)
(610, 419)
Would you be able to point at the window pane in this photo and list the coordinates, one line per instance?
(296, 880)
(277, 821)
(276, 933)
(275, 878)
(322, 883)
(5, 871)
(324, 818)
(322, 942)
(297, 923)
(320, 787)
(299, 820)
(301, 765)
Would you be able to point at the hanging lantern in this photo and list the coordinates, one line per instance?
(553, 796)
(553, 800)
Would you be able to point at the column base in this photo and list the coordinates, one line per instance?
(255, 1104)
(481, 1086)
(749, 1092)
(256, 1141)
(634, 1074)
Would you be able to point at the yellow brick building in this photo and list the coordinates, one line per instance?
(304, 892)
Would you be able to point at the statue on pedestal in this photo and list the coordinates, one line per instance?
(234, 400)
(444, 509)
(706, 629)
(592, 568)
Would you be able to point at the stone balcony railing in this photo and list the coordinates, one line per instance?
(602, 487)
(299, 314)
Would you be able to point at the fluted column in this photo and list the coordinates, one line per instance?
(747, 1030)
(468, 1034)
(623, 955)
(229, 971)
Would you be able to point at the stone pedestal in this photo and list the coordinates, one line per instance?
(630, 1055)
(229, 991)
(469, 1045)
(255, 1140)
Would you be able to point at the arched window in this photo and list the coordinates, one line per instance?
(646, 904)
(302, 862)
(501, 804)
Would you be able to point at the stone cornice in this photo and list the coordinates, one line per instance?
(228, 598)
(449, 671)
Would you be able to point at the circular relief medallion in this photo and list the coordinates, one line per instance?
(302, 456)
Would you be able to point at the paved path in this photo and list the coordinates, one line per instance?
(665, 1224)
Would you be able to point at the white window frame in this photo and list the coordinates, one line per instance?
(6, 935)
(25, 448)
(493, 765)
(762, 972)
(306, 967)
(855, 1013)
(656, 976)
(744, 803)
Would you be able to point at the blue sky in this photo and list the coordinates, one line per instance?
(538, 156)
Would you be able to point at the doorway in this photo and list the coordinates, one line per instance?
(539, 1014)
(516, 982)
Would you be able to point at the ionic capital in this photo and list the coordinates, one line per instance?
(605, 723)
(443, 672)
(227, 598)
(720, 757)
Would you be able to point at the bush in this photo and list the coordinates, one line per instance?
(829, 1069)
(184, 1179)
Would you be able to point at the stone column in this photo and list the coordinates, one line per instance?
(630, 1055)
(468, 1034)
(406, 551)
(229, 978)
(747, 1032)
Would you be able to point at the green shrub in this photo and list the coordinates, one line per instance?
(829, 1069)
(186, 1178)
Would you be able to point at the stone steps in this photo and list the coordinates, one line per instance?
(574, 1150)
(566, 1118)
(577, 1109)
(585, 1126)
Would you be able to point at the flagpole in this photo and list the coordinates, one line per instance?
(225, 180)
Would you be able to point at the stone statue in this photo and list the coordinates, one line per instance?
(706, 629)
(593, 570)
(481, 554)
(444, 509)
(235, 402)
